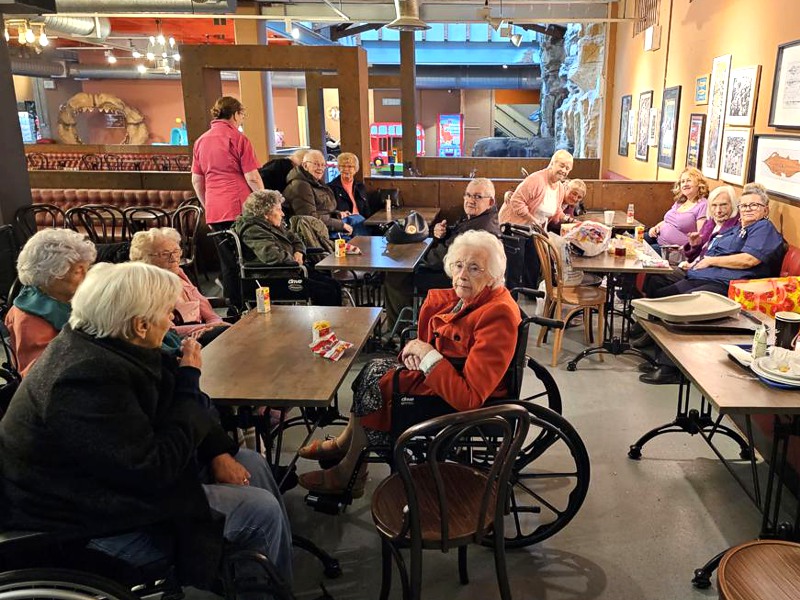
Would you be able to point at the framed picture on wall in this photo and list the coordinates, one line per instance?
(632, 120)
(717, 97)
(742, 96)
(624, 113)
(652, 128)
(735, 153)
(784, 111)
(670, 107)
(694, 147)
(776, 164)
(642, 127)
(701, 89)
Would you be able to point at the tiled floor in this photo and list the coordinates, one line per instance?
(644, 527)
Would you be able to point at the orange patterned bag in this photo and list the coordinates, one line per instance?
(771, 295)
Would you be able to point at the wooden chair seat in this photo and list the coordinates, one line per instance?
(463, 486)
(760, 570)
(583, 295)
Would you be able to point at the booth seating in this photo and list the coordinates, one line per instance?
(69, 198)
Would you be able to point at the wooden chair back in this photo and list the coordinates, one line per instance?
(550, 264)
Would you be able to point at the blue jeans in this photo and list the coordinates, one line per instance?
(255, 519)
(357, 222)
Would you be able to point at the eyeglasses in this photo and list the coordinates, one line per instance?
(751, 206)
(468, 196)
(166, 254)
(472, 269)
(314, 164)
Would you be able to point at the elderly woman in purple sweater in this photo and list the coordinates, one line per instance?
(686, 216)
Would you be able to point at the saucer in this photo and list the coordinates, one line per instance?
(770, 378)
(769, 366)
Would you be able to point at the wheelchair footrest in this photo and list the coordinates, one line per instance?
(330, 504)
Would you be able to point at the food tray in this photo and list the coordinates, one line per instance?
(688, 308)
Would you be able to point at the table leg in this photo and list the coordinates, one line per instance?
(613, 344)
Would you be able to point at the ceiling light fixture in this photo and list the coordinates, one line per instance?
(112, 60)
(407, 17)
(516, 39)
(141, 68)
(295, 33)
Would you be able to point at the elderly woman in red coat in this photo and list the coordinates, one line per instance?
(474, 323)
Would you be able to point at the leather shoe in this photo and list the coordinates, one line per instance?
(661, 376)
(636, 330)
(646, 367)
(641, 342)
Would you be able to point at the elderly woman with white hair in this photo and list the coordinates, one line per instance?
(194, 316)
(50, 267)
(107, 433)
(467, 336)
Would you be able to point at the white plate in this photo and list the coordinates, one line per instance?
(768, 365)
(777, 379)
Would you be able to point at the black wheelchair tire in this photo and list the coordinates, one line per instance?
(60, 584)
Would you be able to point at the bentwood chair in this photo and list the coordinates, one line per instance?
(142, 218)
(29, 219)
(102, 224)
(575, 299)
(187, 221)
(443, 503)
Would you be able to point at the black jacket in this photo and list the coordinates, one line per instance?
(486, 221)
(274, 173)
(264, 242)
(307, 196)
(103, 435)
(343, 200)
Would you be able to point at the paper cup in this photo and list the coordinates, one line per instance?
(787, 326)
(608, 217)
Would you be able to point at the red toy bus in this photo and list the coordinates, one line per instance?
(386, 143)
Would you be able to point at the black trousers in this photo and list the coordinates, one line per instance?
(227, 266)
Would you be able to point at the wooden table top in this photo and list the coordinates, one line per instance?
(378, 255)
(729, 387)
(381, 218)
(264, 359)
(608, 263)
(620, 219)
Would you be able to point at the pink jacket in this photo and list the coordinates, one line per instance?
(521, 207)
(29, 337)
(195, 309)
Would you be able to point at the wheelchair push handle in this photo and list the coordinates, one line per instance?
(530, 292)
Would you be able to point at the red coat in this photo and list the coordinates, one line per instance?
(484, 333)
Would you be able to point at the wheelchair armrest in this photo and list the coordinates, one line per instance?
(317, 251)
(406, 334)
(544, 322)
(530, 292)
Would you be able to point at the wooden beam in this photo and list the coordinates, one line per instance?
(248, 57)
(344, 30)
(316, 111)
(408, 95)
(384, 82)
(354, 109)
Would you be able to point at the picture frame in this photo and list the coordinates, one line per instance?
(652, 128)
(624, 114)
(632, 120)
(784, 110)
(740, 110)
(701, 89)
(735, 154)
(642, 126)
(668, 129)
(715, 119)
(694, 145)
(775, 163)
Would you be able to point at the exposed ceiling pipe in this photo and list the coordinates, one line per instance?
(91, 27)
(32, 67)
(407, 17)
(146, 6)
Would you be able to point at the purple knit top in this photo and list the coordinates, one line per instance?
(677, 225)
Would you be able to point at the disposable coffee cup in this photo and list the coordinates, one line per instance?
(787, 326)
(608, 217)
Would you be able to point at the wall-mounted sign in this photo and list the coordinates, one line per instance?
(390, 101)
(450, 135)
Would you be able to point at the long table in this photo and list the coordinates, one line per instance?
(264, 359)
(378, 255)
(728, 389)
(612, 266)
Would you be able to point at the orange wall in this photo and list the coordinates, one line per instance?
(693, 33)
(284, 107)
(517, 96)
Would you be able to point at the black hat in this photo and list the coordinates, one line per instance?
(412, 229)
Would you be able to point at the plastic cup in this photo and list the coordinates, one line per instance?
(608, 217)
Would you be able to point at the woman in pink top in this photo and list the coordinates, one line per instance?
(224, 166)
(538, 199)
(688, 213)
(193, 315)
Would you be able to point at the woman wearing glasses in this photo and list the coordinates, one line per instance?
(467, 338)
(193, 315)
(50, 267)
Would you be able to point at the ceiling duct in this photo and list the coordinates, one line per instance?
(407, 17)
(90, 27)
(147, 6)
(32, 67)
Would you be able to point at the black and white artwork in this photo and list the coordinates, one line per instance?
(735, 155)
(742, 96)
(643, 126)
(718, 95)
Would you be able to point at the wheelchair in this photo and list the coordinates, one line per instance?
(551, 474)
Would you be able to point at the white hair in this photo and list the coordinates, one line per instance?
(143, 242)
(49, 255)
(476, 238)
(483, 182)
(107, 301)
(561, 154)
(723, 189)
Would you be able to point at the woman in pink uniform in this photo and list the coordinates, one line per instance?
(224, 172)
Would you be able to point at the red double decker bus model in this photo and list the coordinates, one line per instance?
(386, 143)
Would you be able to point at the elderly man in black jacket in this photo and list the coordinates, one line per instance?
(480, 212)
(108, 434)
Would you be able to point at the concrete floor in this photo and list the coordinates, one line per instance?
(642, 530)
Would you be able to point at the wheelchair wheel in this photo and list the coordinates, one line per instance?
(60, 584)
(549, 394)
(549, 481)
